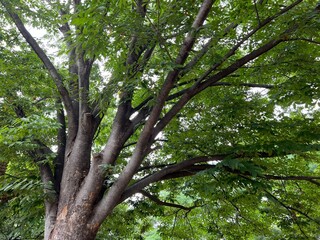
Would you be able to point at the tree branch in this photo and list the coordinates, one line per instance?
(257, 12)
(154, 167)
(73, 67)
(310, 179)
(109, 201)
(314, 182)
(62, 141)
(233, 50)
(181, 92)
(39, 154)
(43, 57)
(205, 49)
(290, 209)
(192, 166)
(122, 127)
(307, 178)
(165, 173)
(198, 87)
(162, 203)
(305, 39)
(84, 69)
(251, 85)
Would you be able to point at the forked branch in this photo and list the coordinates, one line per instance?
(110, 201)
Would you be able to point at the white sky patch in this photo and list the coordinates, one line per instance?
(214, 162)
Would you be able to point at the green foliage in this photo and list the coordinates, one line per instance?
(21, 203)
(272, 130)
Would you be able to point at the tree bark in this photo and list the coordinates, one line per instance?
(74, 227)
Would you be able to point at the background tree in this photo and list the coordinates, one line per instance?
(205, 108)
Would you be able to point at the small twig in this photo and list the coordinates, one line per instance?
(129, 144)
(162, 42)
(310, 179)
(162, 203)
(289, 208)
(155, 166)
(257, 12)
(175, 221)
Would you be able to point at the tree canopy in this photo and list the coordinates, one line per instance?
(150, 119)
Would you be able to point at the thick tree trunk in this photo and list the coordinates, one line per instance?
(73, 225)
(72, 230)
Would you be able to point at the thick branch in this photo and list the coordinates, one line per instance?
(43, 57)
(122, 127)
(121, 124)
(193, 166)
(73, 67)
(62, 141)
(110, 201)
(181, 92)
(161, 174)
(51, 201)
(84, 69)
(198, 87)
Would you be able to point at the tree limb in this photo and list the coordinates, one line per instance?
(43, 57)
(233, 50)
(310, 179)
(165, 173)
(198, 87)
(73, 67)
(122, 127)
(193, 166)
(154, 166)
(205, 49)
(290, 209)
(109, 201)
(181, 92)
(162, 203)
(314, 182)
(62, 141)
(307, 178)
(305, 39)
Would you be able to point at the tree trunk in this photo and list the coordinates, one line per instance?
(74, 225)
(72, 230)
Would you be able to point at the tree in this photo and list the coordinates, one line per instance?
(200, 106)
